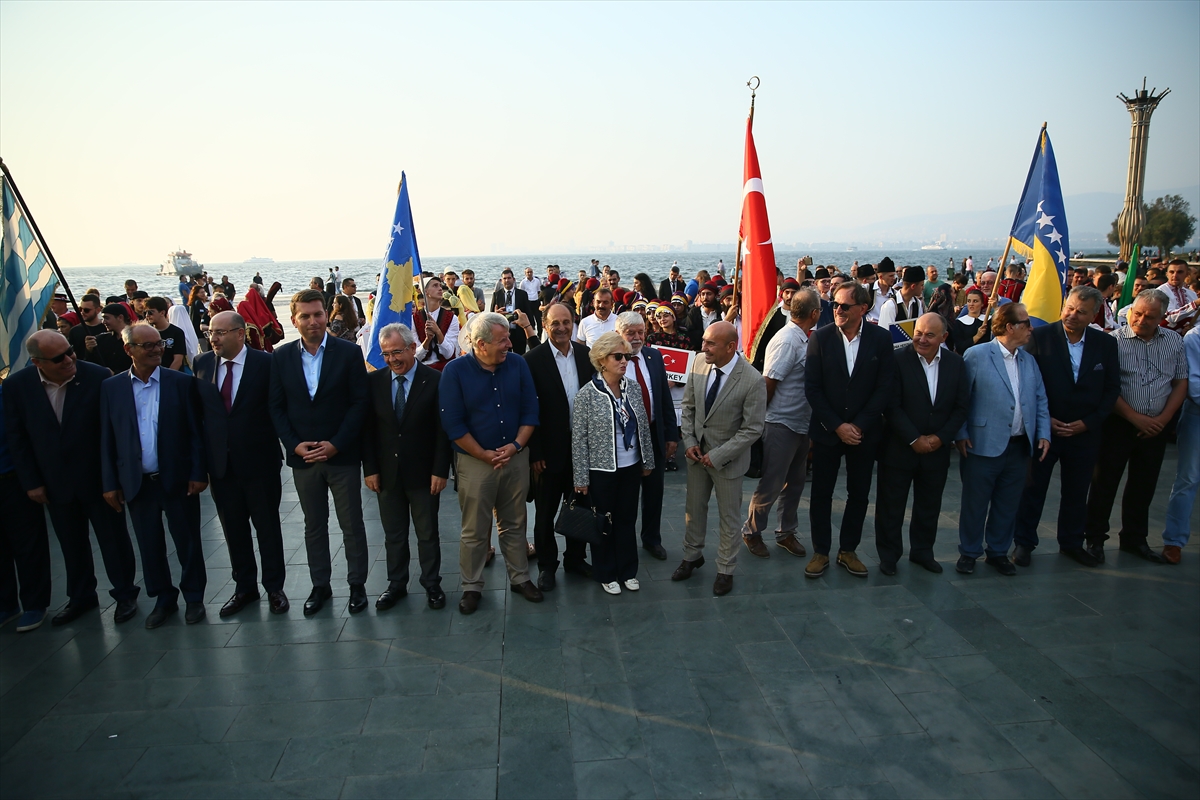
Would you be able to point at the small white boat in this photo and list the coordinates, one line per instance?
(933, 247)
(180, 263)
(258, 260)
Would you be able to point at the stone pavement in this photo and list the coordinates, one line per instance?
(1063, 681)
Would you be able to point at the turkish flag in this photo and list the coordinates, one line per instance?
(759, 286)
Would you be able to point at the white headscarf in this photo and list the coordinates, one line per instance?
(178, 316)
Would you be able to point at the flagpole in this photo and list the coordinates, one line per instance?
(753, 83)
(41, 240)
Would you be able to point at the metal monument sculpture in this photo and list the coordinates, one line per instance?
(1133, 217)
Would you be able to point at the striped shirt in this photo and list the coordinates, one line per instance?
(1147, 368)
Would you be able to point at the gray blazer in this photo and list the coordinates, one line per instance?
(735, 421)
(593, 434)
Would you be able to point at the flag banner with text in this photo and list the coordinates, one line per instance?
(27, 283)
(1039, 233)
(396, 293)
(677, 362)
(758, 289)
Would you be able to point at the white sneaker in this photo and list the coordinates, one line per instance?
(611, 588)
(632, 584)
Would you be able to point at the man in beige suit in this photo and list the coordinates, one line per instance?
(724, 406)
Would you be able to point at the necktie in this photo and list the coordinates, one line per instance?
(711, 397)
(637, 368)
(400, 397)
(508, 299)
(227, 387)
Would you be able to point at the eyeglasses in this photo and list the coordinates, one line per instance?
(620, 356)
(1019, 323)
(844, 307)
(58, 359)
(151, 346)
(218, 332)
(392, 353)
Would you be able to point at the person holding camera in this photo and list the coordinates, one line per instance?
(512, 303)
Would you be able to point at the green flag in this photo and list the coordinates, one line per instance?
(1130, 277)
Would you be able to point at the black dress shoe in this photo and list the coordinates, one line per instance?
(193, 613)
(1144, 551)
(581, 568)
(278, 602)
(887, 567)
(237, 603)
(1096, 551)
(469, 602)
(316, 600)
(658, 551)
(965, 565)
(435, 597)
(389, 597)
(1002, 565)
(527, 590)
(74, 611)
(686, 568)
(1020, 556)
(928, 563)
(723, 585)
(126, 610)
(546, 581)
(1082, 556)
(358, 598)
(159, 615)
(672, 466)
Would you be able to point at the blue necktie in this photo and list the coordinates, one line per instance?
(711, 397)
(400, 398)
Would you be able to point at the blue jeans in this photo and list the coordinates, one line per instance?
(991, 494)
(1187, 479)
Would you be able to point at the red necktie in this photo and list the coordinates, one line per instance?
(637, 367)
(227, 387)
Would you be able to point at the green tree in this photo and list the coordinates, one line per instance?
(1168, 224)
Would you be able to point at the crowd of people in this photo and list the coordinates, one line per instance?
(555, 390)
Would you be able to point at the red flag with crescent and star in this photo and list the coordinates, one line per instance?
(759, 287)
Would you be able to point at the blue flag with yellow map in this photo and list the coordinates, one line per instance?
(1039, 233)
(396, 293)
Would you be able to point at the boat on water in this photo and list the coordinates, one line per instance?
(933, 247)
(180, 263)
(259, 260)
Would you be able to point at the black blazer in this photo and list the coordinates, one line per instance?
(61, 457)
(695, 325)
(551, 440)
(241, 442)
(520, 300)
(911, 414)
(335, 414)
(664, 427)
(1094, 395)
(837, 397)
(409, 452)
(664, 289)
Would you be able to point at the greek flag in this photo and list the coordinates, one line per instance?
(396, 292)
(27, 284)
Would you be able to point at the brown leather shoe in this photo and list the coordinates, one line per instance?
(816, 566)
(792, 545)
(850, 561)
(279, 602)
(723, 585)
(1172, 554)
(686, 568)
(469, 602)
(530, 592)
(754, 544)
(237, 603)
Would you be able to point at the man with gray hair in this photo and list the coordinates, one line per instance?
(785, 436)
(489, 411)
(1154, 375)
(406, 461)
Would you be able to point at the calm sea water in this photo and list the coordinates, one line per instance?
(295, 275)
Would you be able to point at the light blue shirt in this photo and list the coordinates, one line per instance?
(145, 400)
(406, 378)
(1191, 349)
(1076, 353)
(311, 364)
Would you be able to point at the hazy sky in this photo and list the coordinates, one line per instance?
(281, 129)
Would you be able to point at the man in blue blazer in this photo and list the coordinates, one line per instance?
(243, 458)
(651, 375)
(1007, 420)
(53, 413)
(318, 403)
(152, 457)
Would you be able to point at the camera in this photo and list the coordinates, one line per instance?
(511, 317)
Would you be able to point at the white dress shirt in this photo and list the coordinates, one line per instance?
(931, 373)
(239, 366)
(640, 363)
(532, 287)
(145, 402)
(851, 347)
(1075, 351)
(725, 371)
(568, 373)
(1014, 380)
(56, 393)
(311, 364)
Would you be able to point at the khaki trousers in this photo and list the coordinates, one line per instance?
(701, 481)
(483, 490)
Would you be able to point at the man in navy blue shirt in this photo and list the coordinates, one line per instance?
(489, 410)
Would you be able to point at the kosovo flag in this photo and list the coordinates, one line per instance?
(1039, 233)
(396, 292)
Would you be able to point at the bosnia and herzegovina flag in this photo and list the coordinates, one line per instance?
(1039, 233)
(396, 292)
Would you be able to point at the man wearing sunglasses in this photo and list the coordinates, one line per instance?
(52, 420)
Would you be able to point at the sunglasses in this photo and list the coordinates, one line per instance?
(844, 307)
(620, 356)
(58, 359)
(1019, 323)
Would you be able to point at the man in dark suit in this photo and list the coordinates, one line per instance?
(152, 457)
(848, 382)
(1082, 374)
(243, 459)
(508, 299)
(52, 414)
(559, 368)
(928, 407)
(647, 369)
(674, 284)
(318, 400)
(406, 460)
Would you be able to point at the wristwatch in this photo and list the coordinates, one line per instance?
(517, 445)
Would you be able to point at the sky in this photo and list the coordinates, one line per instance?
(281, 130)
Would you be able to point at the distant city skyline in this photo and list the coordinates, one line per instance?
(282, 129)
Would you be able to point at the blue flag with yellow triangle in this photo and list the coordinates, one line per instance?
(396, 293)
(1039, 232)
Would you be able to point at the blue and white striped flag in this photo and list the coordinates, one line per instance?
(27, 284)
(396, 293)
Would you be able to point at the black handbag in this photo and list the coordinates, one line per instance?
(581, 522)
